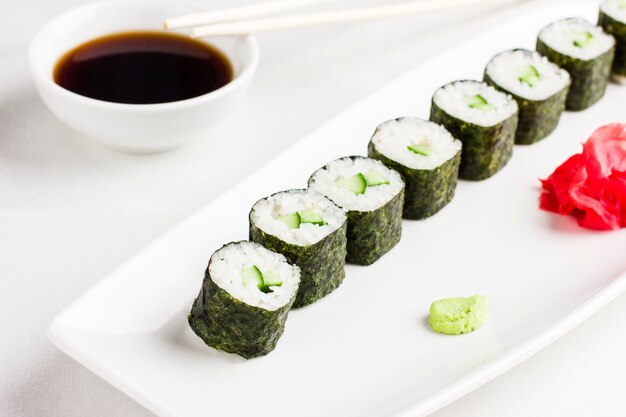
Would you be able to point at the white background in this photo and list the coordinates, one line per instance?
(71, 211)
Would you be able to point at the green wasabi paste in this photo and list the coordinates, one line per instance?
(458, 315)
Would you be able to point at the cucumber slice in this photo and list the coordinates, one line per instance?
(478, 102)
(357, 183)
(423, 150)
(310, 216)
(252, 275)
(291, 220)
(373, 178)
(584, 39)
(530, 76)
(271, 278)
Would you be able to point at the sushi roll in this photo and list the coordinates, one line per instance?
(585, 52)
(372, 195)
(244, 300)
(310, 231)
(483, 119)
(613, 20)
(426, 156)
(539, 87)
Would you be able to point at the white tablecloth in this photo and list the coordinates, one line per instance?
(70, 210)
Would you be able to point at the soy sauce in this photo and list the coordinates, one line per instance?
(143, 68)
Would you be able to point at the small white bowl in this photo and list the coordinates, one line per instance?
(137, 128)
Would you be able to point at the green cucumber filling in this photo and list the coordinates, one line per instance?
(358, 183)
(373, 178)
(529, 76)
(272, 279)
(311, 216)
(253, 275)
(478, 102)
(292, 220)
(582, 39)
(421, 149)
(295, 220)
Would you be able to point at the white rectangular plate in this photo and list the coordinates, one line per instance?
(366, 349)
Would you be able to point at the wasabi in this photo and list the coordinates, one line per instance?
(458, 315)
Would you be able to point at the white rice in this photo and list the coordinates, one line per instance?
(561, 36)
(452, 98)
(506, 68)
(226, 270)
(393, 137)
(616, 9)
(265, 212)
(374, 197)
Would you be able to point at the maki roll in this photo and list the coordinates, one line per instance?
(426, 156)
(539, 87)
(244, 300)
(310, 231)
(613, 20)
(483, 119)
(583, 50)
(373, 196)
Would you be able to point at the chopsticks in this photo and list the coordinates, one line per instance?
(241, 27)
(237, 13)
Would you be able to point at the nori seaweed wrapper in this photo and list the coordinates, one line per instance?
(618, 30)
(231, 325)
(536, 118)
(589, 78)
(371, 234)
(321, 264)
(486, 149)
(426, 191)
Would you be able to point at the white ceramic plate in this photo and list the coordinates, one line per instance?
(366, 349)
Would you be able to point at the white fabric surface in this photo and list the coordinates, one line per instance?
(71, 211)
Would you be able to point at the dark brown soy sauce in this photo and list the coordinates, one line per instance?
(144, 67)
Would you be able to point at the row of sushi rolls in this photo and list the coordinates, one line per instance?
(353, 207)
